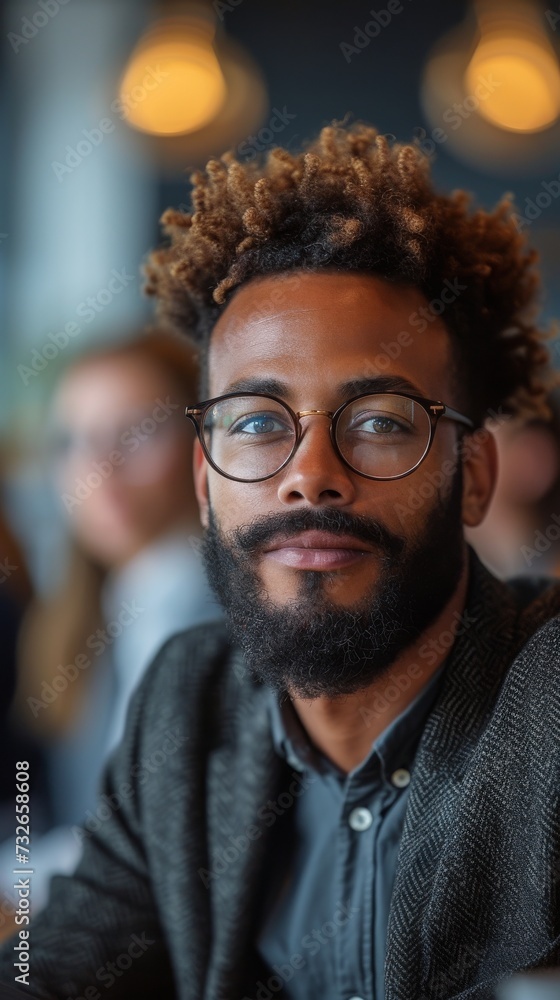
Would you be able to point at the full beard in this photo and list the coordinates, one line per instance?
(311, 647)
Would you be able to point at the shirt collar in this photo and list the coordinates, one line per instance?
(394, 748)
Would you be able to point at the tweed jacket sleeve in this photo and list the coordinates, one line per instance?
(103, 929)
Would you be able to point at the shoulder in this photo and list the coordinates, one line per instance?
(540, 618)
(533, 681)
(189, 660)
(543, 643)
(202, 647)
(193, 685)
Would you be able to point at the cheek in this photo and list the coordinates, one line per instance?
(444, 459)
(236, 504)
(419, 493)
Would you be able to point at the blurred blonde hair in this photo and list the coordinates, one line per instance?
(56, 627)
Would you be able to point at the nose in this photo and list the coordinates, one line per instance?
(315, 472)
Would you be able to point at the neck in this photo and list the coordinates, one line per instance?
(345, 728)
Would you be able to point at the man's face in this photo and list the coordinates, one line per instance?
(312, 617)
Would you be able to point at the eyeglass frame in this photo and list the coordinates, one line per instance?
(434, 408)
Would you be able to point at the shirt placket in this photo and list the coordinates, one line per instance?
(363, 805)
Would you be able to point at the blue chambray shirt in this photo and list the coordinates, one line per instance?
(323, 924)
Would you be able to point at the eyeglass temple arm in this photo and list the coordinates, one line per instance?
(193, 413)
(448, 411)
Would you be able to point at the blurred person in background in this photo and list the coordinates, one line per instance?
(122, 466)
(520, 534)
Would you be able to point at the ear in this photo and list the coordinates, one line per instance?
(200, 474)
(480, 471)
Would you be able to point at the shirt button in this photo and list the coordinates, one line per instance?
(360, 819)
(400, 778)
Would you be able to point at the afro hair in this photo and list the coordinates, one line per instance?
(352, 201)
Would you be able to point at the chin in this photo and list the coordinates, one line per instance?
(318, 590)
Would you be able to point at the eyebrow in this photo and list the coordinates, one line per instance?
(271, 386)
(345, 390)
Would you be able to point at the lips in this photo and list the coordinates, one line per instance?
(318, 540)
(317, 550)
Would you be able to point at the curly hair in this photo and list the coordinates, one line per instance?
(354, 202)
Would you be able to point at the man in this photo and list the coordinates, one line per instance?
(352, 792)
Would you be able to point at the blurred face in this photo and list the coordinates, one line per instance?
(122, 455)
(326, 575)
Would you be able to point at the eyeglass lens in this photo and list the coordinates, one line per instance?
(250, 437)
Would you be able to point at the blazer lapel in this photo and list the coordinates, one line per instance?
(242, 783)
(423, 959)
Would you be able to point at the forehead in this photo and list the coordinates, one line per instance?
(313, 331)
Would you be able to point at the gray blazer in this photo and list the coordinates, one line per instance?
(163, 902)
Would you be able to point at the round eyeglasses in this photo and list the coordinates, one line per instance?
(249, 438)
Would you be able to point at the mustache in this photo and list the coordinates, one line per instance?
(264, 529)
